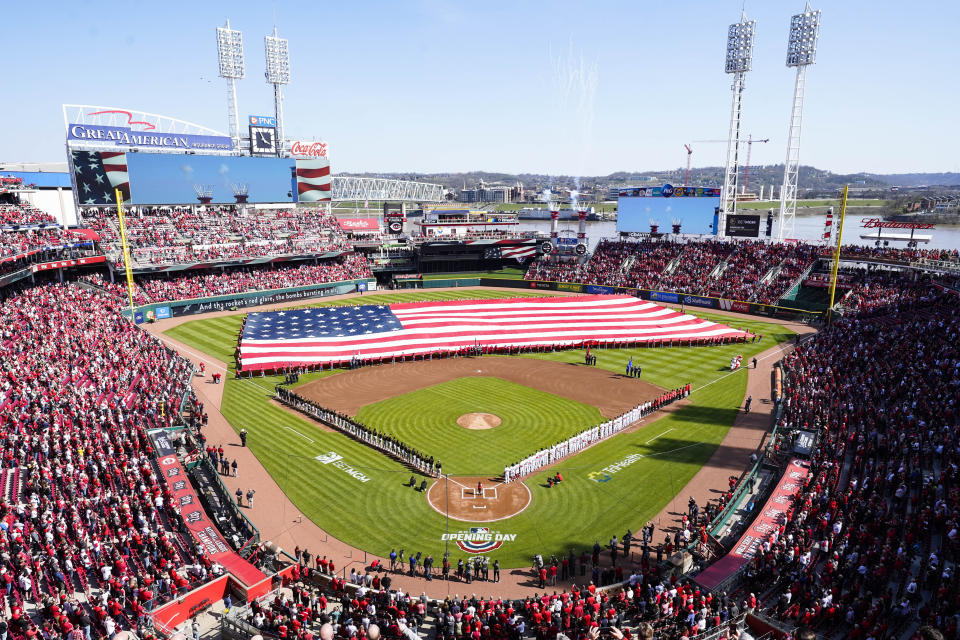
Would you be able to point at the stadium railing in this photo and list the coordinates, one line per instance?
(250, 543)
(721, 519)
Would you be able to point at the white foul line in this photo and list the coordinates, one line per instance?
(455, 482)
(655, 437)
(300, 434)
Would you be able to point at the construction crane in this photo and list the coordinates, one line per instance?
(746, 170)
(750, 141)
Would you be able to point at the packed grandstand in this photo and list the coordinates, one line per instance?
(93, 540)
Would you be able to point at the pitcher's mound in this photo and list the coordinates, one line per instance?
(478, 421)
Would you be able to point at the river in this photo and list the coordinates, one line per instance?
(808, 228)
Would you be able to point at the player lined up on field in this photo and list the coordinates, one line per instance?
(588, 437)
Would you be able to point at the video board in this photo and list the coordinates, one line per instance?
(694, 207)
(743, 226)
(163, 178)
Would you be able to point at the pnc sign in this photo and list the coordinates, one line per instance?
(308, 149)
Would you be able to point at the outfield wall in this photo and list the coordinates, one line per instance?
(161, 310)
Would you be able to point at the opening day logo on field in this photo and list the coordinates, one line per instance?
(479, 539)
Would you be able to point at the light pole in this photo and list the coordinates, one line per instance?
(230, 50)
(277, 74)
(801, 53)
(739, 60)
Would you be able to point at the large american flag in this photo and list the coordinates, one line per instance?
(275, 339)
(98, 173)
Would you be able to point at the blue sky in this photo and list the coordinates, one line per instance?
(561, 87)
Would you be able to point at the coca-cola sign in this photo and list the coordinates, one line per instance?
(877, 223)
(308, 149)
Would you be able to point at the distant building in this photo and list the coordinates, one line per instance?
(490, 193)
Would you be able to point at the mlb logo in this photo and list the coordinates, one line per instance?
(479, 529)
(327, 458)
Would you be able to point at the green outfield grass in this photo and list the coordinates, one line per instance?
(591, 504)
(427, 420)
(507, 273)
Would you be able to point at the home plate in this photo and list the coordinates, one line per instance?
(479, 507)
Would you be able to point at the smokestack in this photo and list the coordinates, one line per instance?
(582, 227)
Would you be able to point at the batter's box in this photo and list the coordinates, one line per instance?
(468, 494)
(490, 493)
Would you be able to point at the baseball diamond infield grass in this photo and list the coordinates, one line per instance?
(363, 499)
(531, 419)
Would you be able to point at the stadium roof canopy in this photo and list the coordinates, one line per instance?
(40, 178)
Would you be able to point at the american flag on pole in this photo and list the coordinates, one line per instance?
(273, 339)
(313, 180)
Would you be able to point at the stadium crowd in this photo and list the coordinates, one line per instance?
(24, 214)
(84, 506)
(169, 235)
(25, 230)
(871, 541)
(752, 271)
(236, 280)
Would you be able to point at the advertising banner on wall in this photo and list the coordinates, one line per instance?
(127, 137)
(664, 296)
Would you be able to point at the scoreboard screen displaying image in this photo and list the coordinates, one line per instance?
(743, 226)
(637, 207)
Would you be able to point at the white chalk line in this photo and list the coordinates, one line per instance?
(655, 437)
(778, 351)
(300, 434)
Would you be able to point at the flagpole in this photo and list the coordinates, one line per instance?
(126, 250)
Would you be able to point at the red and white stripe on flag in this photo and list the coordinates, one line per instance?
(432, 327)
(313, 180)
(115, 166)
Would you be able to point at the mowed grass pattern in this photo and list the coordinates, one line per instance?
(427, 420)
(383, 513)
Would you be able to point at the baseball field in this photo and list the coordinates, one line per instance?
(363, 497)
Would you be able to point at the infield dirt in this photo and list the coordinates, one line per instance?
(611, 393)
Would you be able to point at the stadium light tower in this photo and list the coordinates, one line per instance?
(801, 53)
(230, 50)
(738, 63)
(277, 74)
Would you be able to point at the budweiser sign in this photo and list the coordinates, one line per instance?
(877, 223)
(309, 149)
